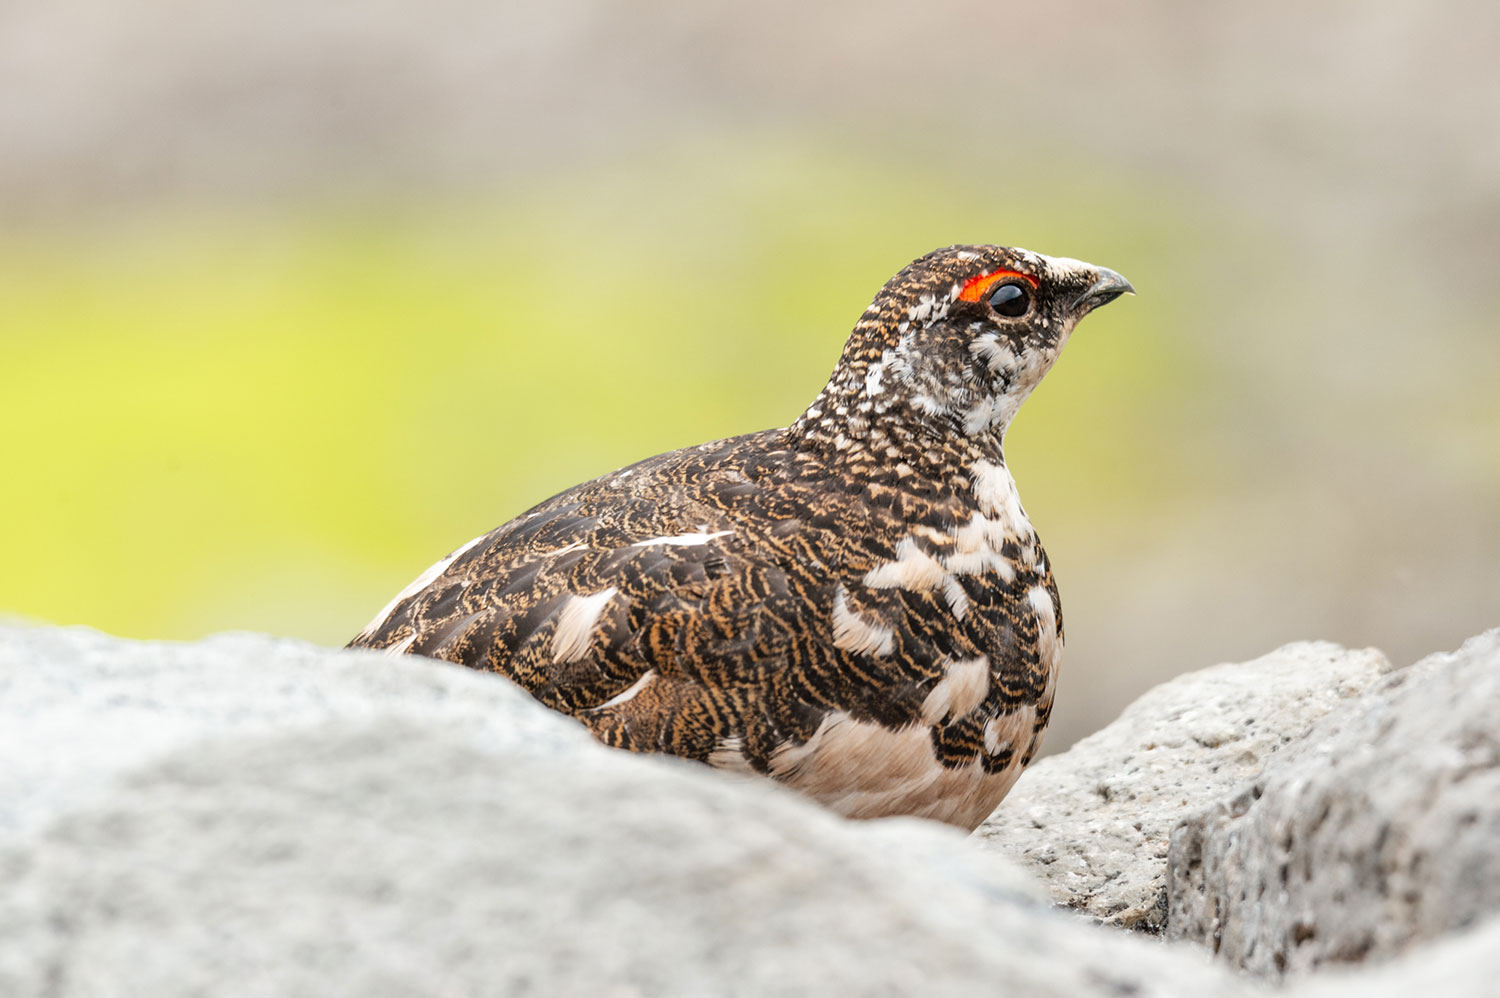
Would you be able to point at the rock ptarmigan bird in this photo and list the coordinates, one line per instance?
(855, 606)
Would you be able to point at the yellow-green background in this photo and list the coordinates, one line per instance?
(295, 298)
(240, 421)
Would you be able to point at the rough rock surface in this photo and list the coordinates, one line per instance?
(1094, 822)
(247, 816)
(1465, 965)
(1380, 828)
(80, 708)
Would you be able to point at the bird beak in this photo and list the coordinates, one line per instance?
(1106, 289)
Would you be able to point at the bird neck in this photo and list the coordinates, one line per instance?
(861, 426)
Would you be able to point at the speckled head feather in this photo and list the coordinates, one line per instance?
(855, 606)
(931, 356)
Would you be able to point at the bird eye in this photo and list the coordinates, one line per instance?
(1010, 300)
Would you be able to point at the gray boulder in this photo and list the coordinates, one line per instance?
(1379, 829)
(1464, 965)
(1094, 822)
(79, 708)
(246, 816)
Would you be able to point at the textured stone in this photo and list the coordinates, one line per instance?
(254, 817)
(80, 707)
(1465, 965)
(1094, 822)
(1379, 829)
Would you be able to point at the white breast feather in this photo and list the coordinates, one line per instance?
(965, 684)
(865, 770)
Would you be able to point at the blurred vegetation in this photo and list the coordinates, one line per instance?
(272, 421)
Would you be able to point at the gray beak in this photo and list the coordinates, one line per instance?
(1106, 289)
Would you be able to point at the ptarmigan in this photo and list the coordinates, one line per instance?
(855, 606)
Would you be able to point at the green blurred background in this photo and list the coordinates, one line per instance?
(293, 300)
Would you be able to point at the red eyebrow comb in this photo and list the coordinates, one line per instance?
(979, 285)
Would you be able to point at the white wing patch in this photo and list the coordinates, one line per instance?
(853, 633)
(417, 585)
(684, 540)
(575, 624)
(629, 693)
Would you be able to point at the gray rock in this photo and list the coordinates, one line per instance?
(254, 817)
(1094, 822)
(1466, 965)
(81, 707)
(1379, 829)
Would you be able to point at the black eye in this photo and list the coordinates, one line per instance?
(1010, 300)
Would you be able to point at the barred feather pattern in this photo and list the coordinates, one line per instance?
(856, 605)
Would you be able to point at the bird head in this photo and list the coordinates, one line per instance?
(955, 342)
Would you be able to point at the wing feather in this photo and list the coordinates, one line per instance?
(687, 605)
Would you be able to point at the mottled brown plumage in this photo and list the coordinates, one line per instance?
(855, 605)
